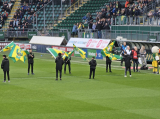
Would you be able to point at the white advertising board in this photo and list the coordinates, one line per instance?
(88, 43)
(24, 46)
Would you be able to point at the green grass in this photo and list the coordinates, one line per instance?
(108, 96)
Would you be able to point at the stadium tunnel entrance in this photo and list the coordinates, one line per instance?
(138, 44)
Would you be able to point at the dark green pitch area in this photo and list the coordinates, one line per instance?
(108, 96)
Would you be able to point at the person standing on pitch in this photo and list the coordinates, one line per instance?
(59, 62)
(108, 63)
(135, 54)
(123, 49)
(67, 61)
(128, 51)
(30, 61)
(92, 64)
(127, 59)
(5, 67)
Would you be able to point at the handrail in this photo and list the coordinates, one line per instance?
(42, 7)
(74, 6)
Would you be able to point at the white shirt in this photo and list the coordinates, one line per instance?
(128, 52)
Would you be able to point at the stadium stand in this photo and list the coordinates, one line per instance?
(30, 12)
(117, 11)
(5, 9)
(120, 12)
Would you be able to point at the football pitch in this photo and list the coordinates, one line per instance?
(108, 96)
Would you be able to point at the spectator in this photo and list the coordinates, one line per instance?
(25, 19)
(29, 21)
(29, 11)
(1, 3)
(137, 13)
(19, 31)
(15, 16)
(131, 13)
(38, 7)
(45, 2)
(23, 23)
(118, 13)
(15, 23)
(20, 23)
(25, 26)
(74, 29)
(99, 27)
(94, 26)
(114, 10)
(19, 16)
(106, 27)
(118, 6)
(11, 24)
(32, 12)
(90, 25)
(126, 4)
(81, 26)
(10, 5)
(150, 15)
(41, 2)
(90, 18)
(4, 17)
(5, 13)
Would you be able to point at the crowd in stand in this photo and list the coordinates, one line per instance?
(131, 10)
(5, 10)
(22, 22)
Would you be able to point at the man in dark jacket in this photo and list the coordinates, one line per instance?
(5, 67)
(30, 61)
(108, 63)
(67, 61)
(128, 62)
(99, 27)
(59, 62)
(137, 13)
(92, 64)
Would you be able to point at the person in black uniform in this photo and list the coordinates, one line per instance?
(5, 67)
(128, 61)
(30, 61)
(92, 64)
(59, 62)
(67, 61)
(108, 63)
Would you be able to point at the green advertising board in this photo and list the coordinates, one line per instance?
(64, 34)
(31, 34)
(1, 35)
(91, 53)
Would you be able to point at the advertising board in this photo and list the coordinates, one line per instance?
(88, 43)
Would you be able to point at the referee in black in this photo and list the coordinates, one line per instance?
(30, 61)
(67, 62)
(5, 67)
